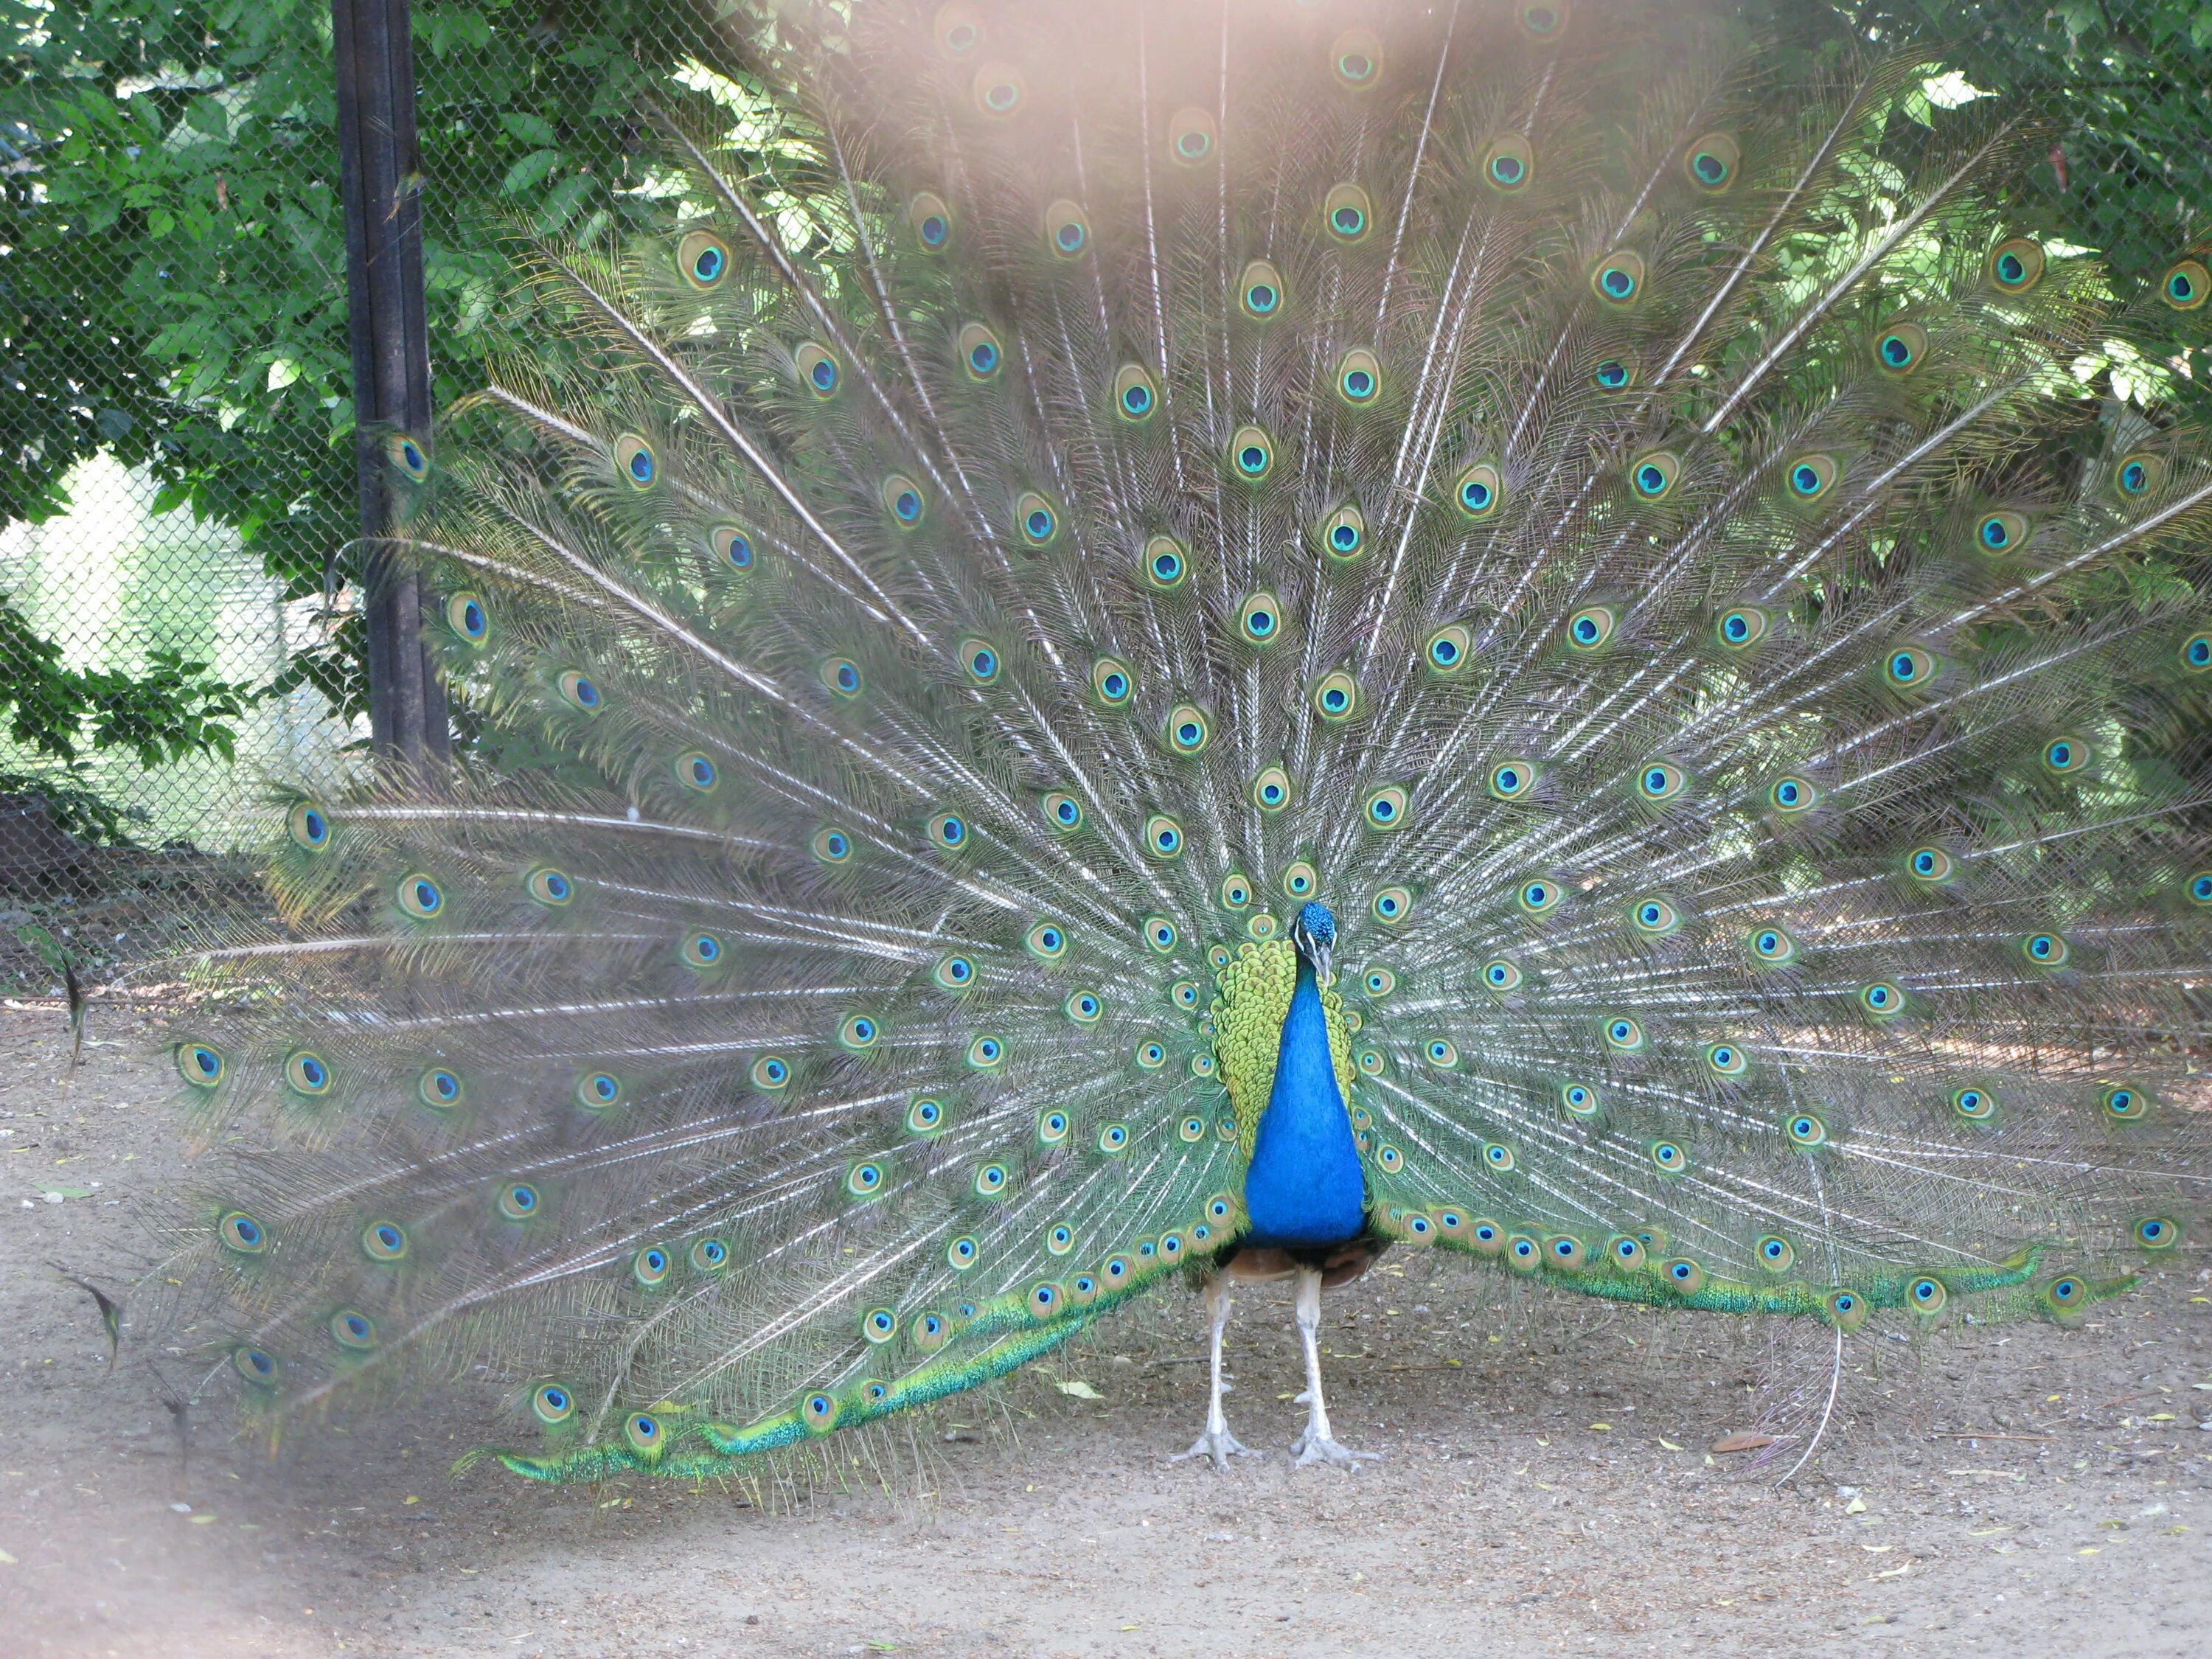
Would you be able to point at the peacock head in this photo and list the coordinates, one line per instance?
(1315, 934)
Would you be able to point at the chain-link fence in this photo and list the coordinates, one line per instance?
(177, 502)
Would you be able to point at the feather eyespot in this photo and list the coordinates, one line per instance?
(257, 1366)
(1931, 864)
(1235, 890)
(466, 616)
(1348, 212)
(519, 1201)
(439, 1089)
(1726, 1059)
(1908, 668)
(1260, 291)
(1776, 1253)
(1112, 683)
(1355, 58)
(703, 259)
(2001, 532)
(1187, 731)
(1136, 394)
(580, 692)
(987, 1053)
(710, 1256)
(551, 1403)
(1660, 781)
(1386, 807)
(1512, 779)
(597, 1091)
(1191, 136)
(1300, 880)
(1163, 838)
(352, 1329)
(981, 354)
(859, 1033)
(1711, 162)
(1066, 228)
(696, 773)
(307, 1073)
(650, 1265)
(1546, 20)
(1792, 796)
(1624, 1034)
(1084, 1007)
(903, 499)
(1449, 649)
(1344, 534)
(1063, 813)
(1359, 377)
(1618, 279)
(865, 1179)
(1335, 696)
(1509, 164)
(1805, 1129)
(1047, 941)
(241, 1233)
(2139, 474)
(931, 222)
(1167, 564)
(818, 371)
(1901, 347)
(1975, 1105)
(1251, 455)
(419, 896)
(2124, 1103)
(1654, 474)
(309, 826)
(409, 457)
(771, 1072)
(1812, 477)
(1772, 946)
(1160, 934)
(2186, 285)
(1477, 492)
(1391, 906)
(958, 28)
(954, 973)
(999, 90)
(2016, 265)
(1539, 897)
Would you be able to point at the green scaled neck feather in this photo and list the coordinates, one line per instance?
(1150, 637)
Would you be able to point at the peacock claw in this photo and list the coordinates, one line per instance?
(1310, 1448)
(1218, 1444)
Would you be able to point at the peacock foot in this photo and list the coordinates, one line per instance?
(1218, 1444)
(1310, 1447)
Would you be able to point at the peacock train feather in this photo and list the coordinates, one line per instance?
(1160, 624)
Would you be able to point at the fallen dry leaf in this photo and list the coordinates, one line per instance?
(1743, 1441)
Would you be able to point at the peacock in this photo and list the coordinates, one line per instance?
(1195, 641)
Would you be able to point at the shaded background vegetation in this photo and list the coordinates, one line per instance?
(172, 291)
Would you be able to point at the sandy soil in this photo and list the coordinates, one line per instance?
(1546, 1486)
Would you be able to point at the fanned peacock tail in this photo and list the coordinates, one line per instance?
(1095, 479)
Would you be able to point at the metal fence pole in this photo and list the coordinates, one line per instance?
(381, 177)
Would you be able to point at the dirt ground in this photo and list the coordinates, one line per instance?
(1546, 1485)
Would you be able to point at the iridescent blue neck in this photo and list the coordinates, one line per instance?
(1305, 1186)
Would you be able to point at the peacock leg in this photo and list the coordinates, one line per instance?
(1216, 1441)
(1317, 1445)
